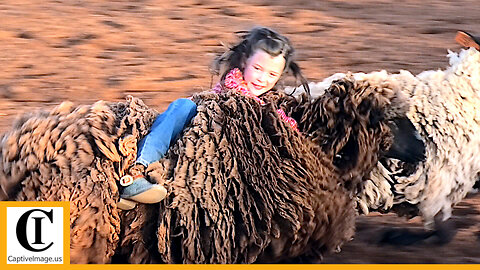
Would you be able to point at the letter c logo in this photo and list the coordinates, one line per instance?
(22, 230)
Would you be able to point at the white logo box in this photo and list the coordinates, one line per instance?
(43, 231)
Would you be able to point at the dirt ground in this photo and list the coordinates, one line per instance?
(86, 50)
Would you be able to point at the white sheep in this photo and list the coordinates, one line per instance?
(445, 109)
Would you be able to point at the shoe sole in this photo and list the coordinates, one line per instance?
(152, 195)
(124, 204)
(466, 40)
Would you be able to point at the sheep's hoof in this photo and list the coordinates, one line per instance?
(124, 204)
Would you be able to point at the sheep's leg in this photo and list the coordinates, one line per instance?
(444, 232)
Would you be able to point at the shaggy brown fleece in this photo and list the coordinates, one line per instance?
(73, 154)
(244, 187)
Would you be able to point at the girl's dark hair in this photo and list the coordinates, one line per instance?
(258, 38)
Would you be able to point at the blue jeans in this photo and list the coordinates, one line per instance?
(165, 130)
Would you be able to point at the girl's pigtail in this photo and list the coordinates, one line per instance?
(297, 73)
(232, 58)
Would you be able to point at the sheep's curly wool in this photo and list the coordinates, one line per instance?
(73, 154)
(243, 185)
(445, 108)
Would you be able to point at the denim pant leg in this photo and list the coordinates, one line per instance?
(164, 130)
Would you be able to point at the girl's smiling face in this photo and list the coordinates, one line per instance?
(262, 71)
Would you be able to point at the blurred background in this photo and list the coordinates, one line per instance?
(157, 50)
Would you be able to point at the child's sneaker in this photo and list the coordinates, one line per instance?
(138, 189)
(126, 204)
(143, 191)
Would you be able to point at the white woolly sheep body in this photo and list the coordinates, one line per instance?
(445, 109)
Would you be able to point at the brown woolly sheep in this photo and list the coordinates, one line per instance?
(244, 187)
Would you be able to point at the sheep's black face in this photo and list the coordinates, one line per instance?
(407, 144)
(357, 124)
(347, 157)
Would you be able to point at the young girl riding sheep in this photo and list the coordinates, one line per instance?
(252, 67)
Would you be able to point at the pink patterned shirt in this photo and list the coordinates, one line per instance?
(234, 81)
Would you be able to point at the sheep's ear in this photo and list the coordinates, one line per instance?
(407, 144)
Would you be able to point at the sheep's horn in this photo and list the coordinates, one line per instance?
(407, 144)
(467, 40)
